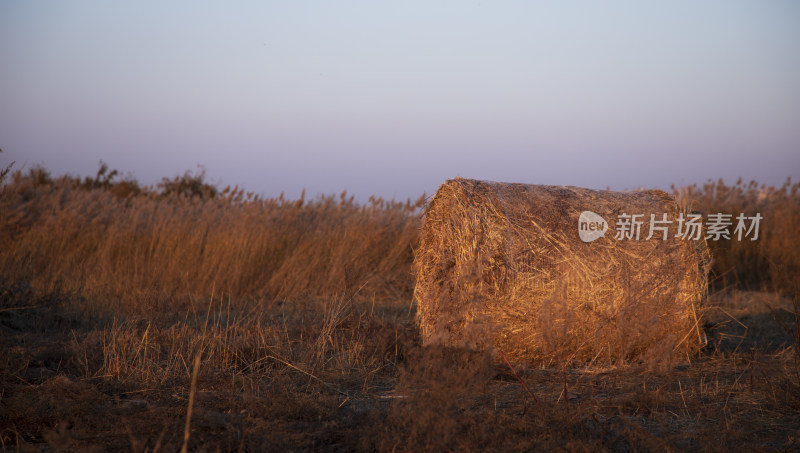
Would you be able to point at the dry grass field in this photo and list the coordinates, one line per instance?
(185, 315)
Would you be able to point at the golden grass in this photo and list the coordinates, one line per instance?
(772, 262)
(139, 252)
(302, 312)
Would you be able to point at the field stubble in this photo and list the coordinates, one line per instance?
(300, 313)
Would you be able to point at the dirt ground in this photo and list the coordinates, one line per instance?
(373, 388)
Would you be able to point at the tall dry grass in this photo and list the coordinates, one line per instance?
(132, 247)
(772, 262)
(150, 249)
(300, 312)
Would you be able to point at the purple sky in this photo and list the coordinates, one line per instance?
(393, 100)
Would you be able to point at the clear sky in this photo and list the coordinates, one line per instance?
(393, 98)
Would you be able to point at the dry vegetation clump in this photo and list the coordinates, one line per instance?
(155, 248)
(300, 314)
(770, 263)
(501, 265)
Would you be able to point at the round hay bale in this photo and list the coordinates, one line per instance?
(502, 266)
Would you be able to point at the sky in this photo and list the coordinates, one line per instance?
(393, 98)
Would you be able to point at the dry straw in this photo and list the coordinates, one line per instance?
(501, 266)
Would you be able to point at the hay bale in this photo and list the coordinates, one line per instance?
(502, 266)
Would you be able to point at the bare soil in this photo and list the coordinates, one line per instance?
(58, 392)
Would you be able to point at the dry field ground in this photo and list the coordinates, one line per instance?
(294, 318)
